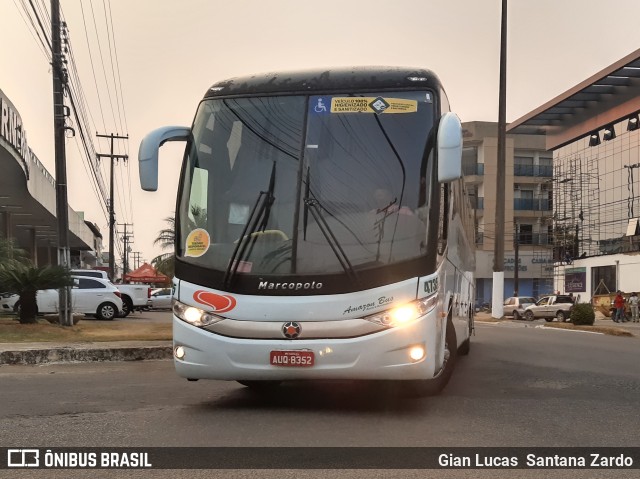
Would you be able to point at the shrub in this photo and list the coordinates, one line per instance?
(583, 314)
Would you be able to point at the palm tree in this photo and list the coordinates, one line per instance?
(26, 279)
(167, 236)
(10, 254)
(165, 263)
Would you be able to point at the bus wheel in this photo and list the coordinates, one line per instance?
(430, 387)
(465, 347)
(261, 386)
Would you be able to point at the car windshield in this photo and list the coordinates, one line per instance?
(307, 185)
(527, 300)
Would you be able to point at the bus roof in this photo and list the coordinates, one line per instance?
(327, 81)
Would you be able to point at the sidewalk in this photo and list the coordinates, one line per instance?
(601, 321)
(39, 353)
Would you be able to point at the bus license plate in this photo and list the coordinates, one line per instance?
(295, 359)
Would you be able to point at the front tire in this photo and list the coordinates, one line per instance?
(431, 387)
(529, 315)
(516, 315)
(107, 311)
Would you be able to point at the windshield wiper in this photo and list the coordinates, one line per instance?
(312, 204)
(257, 221)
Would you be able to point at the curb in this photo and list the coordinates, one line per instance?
(82, 353)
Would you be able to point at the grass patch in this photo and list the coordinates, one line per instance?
(11, 331)
(594, 329)
(486, 319)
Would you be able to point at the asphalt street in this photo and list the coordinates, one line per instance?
(520, 386)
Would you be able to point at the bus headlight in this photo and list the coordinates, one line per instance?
(194, 316)
(405, 313)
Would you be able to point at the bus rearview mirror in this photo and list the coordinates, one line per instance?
(148, 153)
(449, 148)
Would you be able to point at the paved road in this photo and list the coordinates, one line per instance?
(521, 386)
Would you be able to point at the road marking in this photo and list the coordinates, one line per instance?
(569, 330)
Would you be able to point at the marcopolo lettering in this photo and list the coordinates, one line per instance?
(289, 286)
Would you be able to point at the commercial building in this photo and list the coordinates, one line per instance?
(28, 200)
(528, 209)
(593, 130)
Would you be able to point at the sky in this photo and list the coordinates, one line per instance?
(169, 52)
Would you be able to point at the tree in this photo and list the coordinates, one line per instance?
(165, 263)
(10, 254)
(26, 279)
(167, 236)
(166, 239)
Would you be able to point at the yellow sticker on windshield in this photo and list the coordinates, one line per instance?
(377, 105)
(197, 243)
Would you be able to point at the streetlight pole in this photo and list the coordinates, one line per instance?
(497, 307)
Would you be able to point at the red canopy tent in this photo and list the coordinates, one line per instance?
(146, 274)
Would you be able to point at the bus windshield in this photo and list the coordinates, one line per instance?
(307, 185)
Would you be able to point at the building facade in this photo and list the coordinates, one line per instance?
(593, 130)
(528, 209)
(28, 199)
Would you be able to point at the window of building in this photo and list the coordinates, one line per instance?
(523, 165)
(525, 234)
(470, 164)
(603, 278)
(545, 167)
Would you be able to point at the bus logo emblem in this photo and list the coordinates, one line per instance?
(291, 330)
(221, 303)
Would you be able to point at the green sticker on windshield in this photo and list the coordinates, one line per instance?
(376, 105)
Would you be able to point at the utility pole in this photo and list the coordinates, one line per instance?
(497, 309)
(59, 115)
(516, 267)
(136, 259)
(127, 243)
(112, 214)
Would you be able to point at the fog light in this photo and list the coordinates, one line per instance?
(179, 352)
(416, 353)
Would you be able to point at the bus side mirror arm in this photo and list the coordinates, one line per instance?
(449, 148)
(148, 153)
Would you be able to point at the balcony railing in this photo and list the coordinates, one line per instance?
(477, 202)
(473, 169)
(532, 204)
(538, 239)
(533, 170)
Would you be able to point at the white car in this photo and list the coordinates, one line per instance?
(161, 298)
(7, 302)
(93, 296)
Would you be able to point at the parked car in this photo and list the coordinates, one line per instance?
(515, 306)
(92, 296)
(550, 307)
(161, 298)
(7, 302)
(135, 297)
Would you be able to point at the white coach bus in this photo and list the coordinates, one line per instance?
(322, 230)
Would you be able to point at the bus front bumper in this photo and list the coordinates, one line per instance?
(384, 355)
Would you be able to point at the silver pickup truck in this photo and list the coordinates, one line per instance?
(550, 307)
